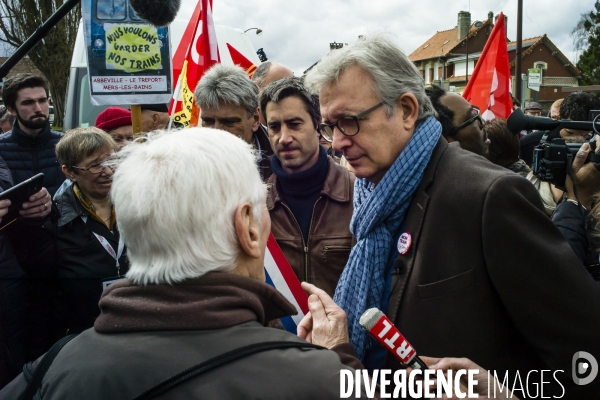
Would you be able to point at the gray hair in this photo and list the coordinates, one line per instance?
(6, 115)
(392, 72)
(261, 72)
(192, 181)
(291, 87)
(227, 84)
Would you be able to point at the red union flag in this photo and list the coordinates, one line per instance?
(489, 87)
(198, 47)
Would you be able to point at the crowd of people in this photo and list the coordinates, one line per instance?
(379, 191)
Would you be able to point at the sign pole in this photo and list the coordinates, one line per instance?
(136, 120)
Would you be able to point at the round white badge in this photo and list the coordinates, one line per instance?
(404, 243)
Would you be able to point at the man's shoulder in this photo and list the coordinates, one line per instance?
(56, 135)
(464, 166)
(466, 177)
(6, 137)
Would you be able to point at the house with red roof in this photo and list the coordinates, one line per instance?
(449, 57)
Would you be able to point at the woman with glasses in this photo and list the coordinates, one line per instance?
(90, 252)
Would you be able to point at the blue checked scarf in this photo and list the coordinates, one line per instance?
(378, 214)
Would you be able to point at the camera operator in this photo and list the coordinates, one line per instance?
(577, 107)
(573, 217)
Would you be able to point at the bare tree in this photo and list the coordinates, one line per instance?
(52, 56)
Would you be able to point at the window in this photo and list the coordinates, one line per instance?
(111, 9)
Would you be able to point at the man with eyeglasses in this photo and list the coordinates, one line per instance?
(461, 122)
(310, 196)
(455, 250)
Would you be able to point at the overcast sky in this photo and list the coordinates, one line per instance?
(297, 33)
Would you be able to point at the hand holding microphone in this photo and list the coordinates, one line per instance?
(381, 328)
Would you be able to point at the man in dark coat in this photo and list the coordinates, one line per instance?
(457, 251)
(28, 148)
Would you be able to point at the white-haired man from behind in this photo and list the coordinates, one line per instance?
(192, 213)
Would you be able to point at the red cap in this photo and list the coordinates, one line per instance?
(113, 117)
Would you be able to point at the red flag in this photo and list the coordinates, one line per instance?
(198, 47)
(239, 59)
(489, 87)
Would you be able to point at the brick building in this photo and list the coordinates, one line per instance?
(449, 57)
(557, 70)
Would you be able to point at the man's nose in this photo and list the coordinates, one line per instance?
(340, 141)
(286, 136)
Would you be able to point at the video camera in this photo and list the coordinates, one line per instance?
(552, 157)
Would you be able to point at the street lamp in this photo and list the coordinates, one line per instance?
(258, 31)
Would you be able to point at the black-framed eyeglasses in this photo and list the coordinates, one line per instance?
(94, 168)
(476, 116)
(348, 125)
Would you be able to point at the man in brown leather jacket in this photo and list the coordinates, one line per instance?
(310, 196)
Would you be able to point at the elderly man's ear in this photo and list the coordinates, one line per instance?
(409, 105)
(247, 230)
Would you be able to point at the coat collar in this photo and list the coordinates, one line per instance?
(69, 207)
(337, 185)
(216, 300)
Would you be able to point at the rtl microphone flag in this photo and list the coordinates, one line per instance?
(489, 86)
(280, 275)
(197, 51)
(381, 328)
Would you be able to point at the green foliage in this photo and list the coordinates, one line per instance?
(587, 36)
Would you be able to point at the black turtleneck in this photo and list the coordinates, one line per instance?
(302, 189)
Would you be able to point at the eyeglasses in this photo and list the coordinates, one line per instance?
(476, 116)
(94, 168)
(348, 125)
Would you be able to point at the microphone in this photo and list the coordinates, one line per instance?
(157, 12)
(381, 328)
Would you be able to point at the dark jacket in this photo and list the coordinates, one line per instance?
(146, 334)
(264, 165)
(28, 155)
(577, 226)
(13, 297)
(25, 298)
(321, 260)
(489, 276)
(82, 264)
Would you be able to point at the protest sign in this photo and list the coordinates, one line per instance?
(129, 61)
